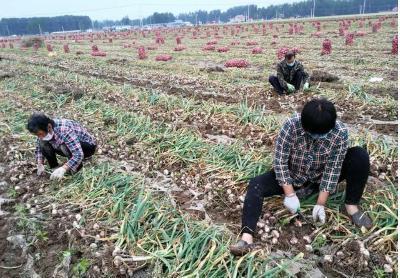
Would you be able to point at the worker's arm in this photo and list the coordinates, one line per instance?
(333, 167)
(38, 153)
(281, 158)
(322, 198)
(306, 76)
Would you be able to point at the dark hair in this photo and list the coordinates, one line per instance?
(39, 121)
(318, 116)
(289, 55)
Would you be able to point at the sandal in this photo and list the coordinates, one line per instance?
(360, 219)
(242, 248)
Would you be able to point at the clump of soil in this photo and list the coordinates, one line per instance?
(322, 76)
(65, 89)
(383, 91)
(110, 121)
(291, 231)
(29, 42)
(355, 259)
(212, 68)
(11, 258)
(6, 75)
(116, 61)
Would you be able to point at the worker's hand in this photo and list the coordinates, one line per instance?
(292, 203)
(291, 88)
(306, 86)
(319, 214)
(40, 169)
(58, 173)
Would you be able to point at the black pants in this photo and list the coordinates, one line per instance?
(296, 82)
(50, 153)
(355, 171)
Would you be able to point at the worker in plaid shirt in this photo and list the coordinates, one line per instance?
(312, 155)
(63, 137)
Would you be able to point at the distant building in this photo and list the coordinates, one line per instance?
(175, 23)
(64, 32)
(238, 18)
(178, 23)
(123, 28)
(108, 28)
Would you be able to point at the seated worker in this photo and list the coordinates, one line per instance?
(311, 152)
(63, 137)
(291, 75)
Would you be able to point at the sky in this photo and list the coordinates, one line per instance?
(116, 9)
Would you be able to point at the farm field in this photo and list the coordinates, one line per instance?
(178, 141)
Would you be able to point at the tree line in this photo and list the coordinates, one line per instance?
(37, 25)
(298, 9)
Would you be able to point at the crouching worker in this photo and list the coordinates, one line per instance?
(311, 155)
(291, 75)
(63, 137)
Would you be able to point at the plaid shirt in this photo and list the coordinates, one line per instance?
(70, 133)
(300, 158)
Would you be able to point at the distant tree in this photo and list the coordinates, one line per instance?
(35, 25)
(214, 15)
(20, 26)
(97, 24)
(125, 20)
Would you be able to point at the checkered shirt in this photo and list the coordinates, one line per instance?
(70, 133)
(300, 158)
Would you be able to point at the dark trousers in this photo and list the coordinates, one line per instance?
(355, 171)
(296, 82)
(50, 153)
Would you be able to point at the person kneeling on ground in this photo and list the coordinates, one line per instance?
(63, 137)
(311, 155)
(291, 75)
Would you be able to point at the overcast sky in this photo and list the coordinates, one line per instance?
(116, 9)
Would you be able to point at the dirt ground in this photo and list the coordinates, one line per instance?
(41, 236)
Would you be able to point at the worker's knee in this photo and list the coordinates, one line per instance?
(45, 147)
(272, 78)
(299, 74)
(254, 187)
(65, 151)
(357, 157)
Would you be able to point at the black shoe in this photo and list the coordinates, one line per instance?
(241, 248)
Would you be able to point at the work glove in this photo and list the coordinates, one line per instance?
(319, 214)
(292, 203)
(40, 169)
(291, 88)
(306, 86)
(58, 173)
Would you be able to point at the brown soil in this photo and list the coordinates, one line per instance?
(353, 263)
(257, 96)
(11, 260)
(383, 91)
(289, 231)
(47, 251)
(59, 241)
(116, 61)
(322, 76)
(6, 75)
(65, 89)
